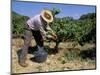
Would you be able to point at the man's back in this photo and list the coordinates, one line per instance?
(34, 22)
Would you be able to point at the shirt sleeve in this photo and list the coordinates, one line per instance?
(43, 32)
(48, 28)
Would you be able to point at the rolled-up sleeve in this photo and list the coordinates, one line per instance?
(48, 28)
(43, 32)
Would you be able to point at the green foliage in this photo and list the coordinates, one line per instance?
(18, 24)
(81, 30)
(63, 28)
(55, 11)
(88, 16)
(88, 28)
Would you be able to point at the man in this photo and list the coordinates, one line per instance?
(38, 26)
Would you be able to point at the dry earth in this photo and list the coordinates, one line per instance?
(54, 62)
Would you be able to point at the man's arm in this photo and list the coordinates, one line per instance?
(43, 32)
(52, 33)
(49, 33)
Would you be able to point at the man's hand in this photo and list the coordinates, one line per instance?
(52, 37)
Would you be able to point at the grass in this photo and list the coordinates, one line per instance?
(63, 61)
(88, 55)
(71, 55)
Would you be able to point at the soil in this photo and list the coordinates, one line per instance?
(65, 59)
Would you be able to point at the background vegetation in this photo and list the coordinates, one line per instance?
(18, 24)
(66, 28)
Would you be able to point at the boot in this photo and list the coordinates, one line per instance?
(22, 60)
(23, 64)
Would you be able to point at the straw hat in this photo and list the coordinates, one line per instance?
(47, 15)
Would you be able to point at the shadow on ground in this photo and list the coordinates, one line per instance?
(90, 53)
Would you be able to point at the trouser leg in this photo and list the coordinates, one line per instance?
(23, 54)
(40, 55)
(38, 38)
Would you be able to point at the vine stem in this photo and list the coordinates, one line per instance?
(56, 47)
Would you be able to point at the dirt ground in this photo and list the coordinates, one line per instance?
(66, 59)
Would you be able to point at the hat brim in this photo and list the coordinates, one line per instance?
(47, 20)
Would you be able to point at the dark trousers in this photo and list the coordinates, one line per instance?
(27, 40)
